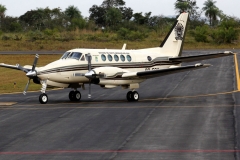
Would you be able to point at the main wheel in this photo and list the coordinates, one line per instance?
(74, 96)
(129, 96)
(135, 96)
(43, 98)
(71, 96)
(77, 96)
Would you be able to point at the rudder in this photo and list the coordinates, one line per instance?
(173, 42)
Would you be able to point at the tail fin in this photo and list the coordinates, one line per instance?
(173, 42)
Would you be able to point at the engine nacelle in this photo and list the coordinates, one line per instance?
(109, 72)
(111, 77)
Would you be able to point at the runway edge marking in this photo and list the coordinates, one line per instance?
(237, 71)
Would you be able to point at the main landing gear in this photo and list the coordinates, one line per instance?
(74, 95)
(132, 96)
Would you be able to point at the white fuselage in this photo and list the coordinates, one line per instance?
(69, 70)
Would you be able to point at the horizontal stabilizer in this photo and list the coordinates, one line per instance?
(163, 72)
(200, 57)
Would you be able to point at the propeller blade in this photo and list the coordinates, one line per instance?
(89, 62)
(35, 62)
(89, 74)
(89, 93)
(26, 88)
(21, 68)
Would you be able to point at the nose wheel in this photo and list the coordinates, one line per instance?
(74, 96)
(43, 98)
(132, 96)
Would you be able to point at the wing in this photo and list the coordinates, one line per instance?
(163, 72)
(200, 57)
(17, 67)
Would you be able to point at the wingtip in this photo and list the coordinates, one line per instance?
(207, 65)
(229, 52)
(202, 65)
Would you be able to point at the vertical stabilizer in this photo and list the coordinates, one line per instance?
(173, 42)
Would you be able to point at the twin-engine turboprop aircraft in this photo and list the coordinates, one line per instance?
(112, 68)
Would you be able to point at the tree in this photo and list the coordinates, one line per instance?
(181, 6)
(139, 18)
(112, 3)
(127, 13)
(72, 12)
(74, 18)
(211, 11)
(3, 9)
(113, 16)
(226, 31)
(98, 14)
(142, 19)
(43, 18)
(189, 6)
(33, 19)
(2, 13)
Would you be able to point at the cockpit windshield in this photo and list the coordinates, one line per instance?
(71, 55)
(75, 55)
(65, 55)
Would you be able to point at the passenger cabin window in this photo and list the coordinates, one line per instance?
(110, 57)
(75, 55)
(103, 57)
(129, 58)
(122, 58)
(149, 58)
(116, 57)
(65, 55)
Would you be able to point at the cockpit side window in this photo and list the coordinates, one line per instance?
(83, 58)
(75, 55)
(65, 55)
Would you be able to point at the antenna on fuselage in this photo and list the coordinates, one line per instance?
(124, 46)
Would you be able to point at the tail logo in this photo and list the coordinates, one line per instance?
(179, 31)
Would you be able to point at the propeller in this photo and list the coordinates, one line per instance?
(30, 74)
(89, 73)
(21, 68)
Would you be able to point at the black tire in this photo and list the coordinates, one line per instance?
(43, 98)
(77, 96)
(135, 96)
(129, 96)
(71, 96)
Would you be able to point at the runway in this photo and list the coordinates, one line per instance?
(189, 115)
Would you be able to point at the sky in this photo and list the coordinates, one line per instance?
(17, 8)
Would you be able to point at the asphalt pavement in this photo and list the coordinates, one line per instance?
(184, 116)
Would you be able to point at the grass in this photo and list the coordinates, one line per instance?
(97, 39)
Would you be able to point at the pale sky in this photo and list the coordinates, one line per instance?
(17, 8)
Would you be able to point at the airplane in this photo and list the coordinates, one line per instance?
(110, 68)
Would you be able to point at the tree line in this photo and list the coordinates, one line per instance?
(113, 16)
